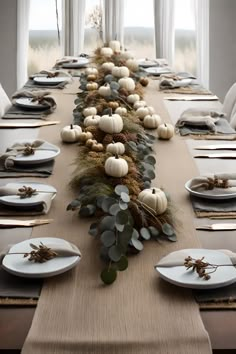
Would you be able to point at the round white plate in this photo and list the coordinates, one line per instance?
(39, 156)
(147, 63)
(50, 80)
(16, 201)
(158, 70)
(219, 193)
(25, 102)
(80, 63)
(180, 276)
(20, 266)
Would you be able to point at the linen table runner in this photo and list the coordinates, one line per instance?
(139, 313)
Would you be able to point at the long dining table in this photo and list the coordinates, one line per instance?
(75, 312)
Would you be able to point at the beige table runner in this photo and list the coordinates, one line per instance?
(139, 313)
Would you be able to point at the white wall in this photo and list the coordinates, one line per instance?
(222, 46)
(8, 10)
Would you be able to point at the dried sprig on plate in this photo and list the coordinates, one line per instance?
(40, 254)
(26, 192)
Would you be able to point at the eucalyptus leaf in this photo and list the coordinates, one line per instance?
(147, 184)
(93, 230)
(125, 197)
(108, 276)
(107, 223)
(145, 178)
(114, 209)
(107, 203)
(122, 264)
(108, 78)
(172, 238)
(104, 254)
(121, 217)
(125, 236)
(115, 253)
(99, 201)
(135, 234)
(136, 244)
(75, 204)
(150, 159)
(120, 188)
(119, 227)
(145, 233)
(114, 93)
(132, 145)
(154, 231)
(123, 205)
(106, 111)
(167, 229)
(108, 238)
(114, 85)
(87, 210)
(150, 174)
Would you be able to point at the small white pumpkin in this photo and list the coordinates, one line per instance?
(155, 199)
(151, 110)
(106, 51)
(132, 64)
(139, 104)
(116, 148)
(142, 112)
(111, 123)
(116, 166)
(151, 121)
(105, 90)
(91, 70)
(84, 136)
(70, 133)
(122, 111)
(91, 120)
(107, 66)
(133, 98)
(165, 131)
(120, 71)
(127, 55)
(89, 111)
(115, 46)
(127, 83)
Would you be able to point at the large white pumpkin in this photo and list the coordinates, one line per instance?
(91, 120)
(116, 166)
(106, 51)
(107, 66)
(116, 148)
(155, 199)
(111, 123)
(70, 133)
(120, 71)
(142, 112)
(105, 90)
(115, 46)
(127, 83)
(132, 64)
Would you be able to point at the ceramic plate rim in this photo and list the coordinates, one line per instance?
(50, 80)
(32, 106)
(160, 70)
(208, 196)
(73, 260)
(203, 284)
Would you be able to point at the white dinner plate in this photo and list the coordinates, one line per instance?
(20, 266)
(179, 275)
(147, 63)
(39, 156)
(16, 201)
(219, 193)
(80, 63)
(158, 70)
(43, 80)
(26, 102)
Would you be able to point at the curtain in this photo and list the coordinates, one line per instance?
(164, 29)
(201, 11)
(23, 9)
(73, 23)
(113, 21)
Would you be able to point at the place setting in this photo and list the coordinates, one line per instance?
(28, 158)
(213, 196)
(55, 79)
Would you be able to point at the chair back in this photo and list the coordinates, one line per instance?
(5, 102)
(229, 102)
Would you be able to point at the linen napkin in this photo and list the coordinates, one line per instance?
(65, 60)
(214, 208)
(44, 73)
(173, 81)
(215, 183)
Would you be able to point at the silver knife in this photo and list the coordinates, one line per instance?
(216, 147)
(217, 227)
(225, 155)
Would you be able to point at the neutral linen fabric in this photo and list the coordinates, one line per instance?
(229, 103)
(5, 102)
(139, 313)
(113, 21)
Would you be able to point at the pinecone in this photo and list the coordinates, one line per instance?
(108, 139)
(123, 92)
(98, 134)
(120, 137)
(131, 136)
(93, 154)
(138, 216)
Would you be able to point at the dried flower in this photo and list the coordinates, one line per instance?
(200, 267)
(26, 192)
(40, 254)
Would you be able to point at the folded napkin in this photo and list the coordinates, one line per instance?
(33, 170)
(214, 208)
(172, 81)
(44, 73)
(65, 60)
(215, 183)
(51, 73)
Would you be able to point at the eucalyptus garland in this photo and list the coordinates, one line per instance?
(124, 221)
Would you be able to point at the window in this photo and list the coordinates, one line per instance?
(139, 28)
(93, 25)
(44, 47)
(185, 37)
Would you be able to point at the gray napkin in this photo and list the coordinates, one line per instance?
(205, 126)
(213, 205)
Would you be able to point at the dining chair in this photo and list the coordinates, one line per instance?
(229, 102)
(5, 102)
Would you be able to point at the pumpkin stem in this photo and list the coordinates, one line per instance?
(165, 124)
(110, 113)
(116, 156)
(153, 191)
(71, 126)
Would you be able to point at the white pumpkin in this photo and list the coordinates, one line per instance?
(92, 86)
(151, 121)
(127, 55)
(132, 64)
(133, 98)
(91, 70)
(89, 111)
(151, 110)
(122, 111)
(142, 112)
(155, 199)
(165, 131)
(115, 46)
(84, 136)
(120, 71)
(105, 90)
(127, 83)
(107, 66)
(106, 51)
(70, 133)
(116, 166)
(112, 123)
(116, 148)
(139, 104)
(91, 120)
